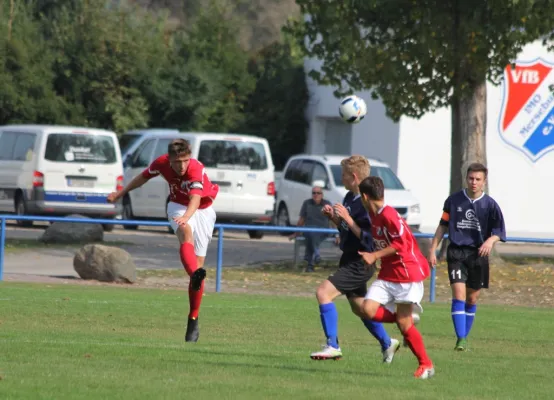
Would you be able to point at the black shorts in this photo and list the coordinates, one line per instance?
(466, 266)
(351, 277)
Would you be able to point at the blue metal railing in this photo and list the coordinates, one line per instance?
(220, 228)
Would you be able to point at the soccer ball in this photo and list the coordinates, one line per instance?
(352, 109)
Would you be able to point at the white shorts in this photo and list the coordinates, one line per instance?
(391, 293)
(202, 224)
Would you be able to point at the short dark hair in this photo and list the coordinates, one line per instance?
(477, 167)
(373, 187)
(179, 146)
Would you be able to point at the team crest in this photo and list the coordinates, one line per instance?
(527, 114)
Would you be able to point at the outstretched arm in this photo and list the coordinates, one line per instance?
(135, 183)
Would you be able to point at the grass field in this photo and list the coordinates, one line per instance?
(79, 342)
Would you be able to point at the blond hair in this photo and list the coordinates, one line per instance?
(356, 165)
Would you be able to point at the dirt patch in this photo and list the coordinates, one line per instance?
(516, 281)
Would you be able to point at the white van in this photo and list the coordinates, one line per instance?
(240, 164)
(59, 170)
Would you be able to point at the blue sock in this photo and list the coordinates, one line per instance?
(470, 316)
(378, 331)
(459, 317)
(329, 321)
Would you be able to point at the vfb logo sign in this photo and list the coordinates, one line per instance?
(527, 116)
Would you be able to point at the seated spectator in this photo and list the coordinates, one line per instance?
(312, 217)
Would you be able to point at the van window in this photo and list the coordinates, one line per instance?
(7, 143)
(24, 147)
(390, 180)
(80, 148)
(127, 140)
(141, 156)
(230, 154)
(161, 147)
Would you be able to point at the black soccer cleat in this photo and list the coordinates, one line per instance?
(196, 279)
(192, 330)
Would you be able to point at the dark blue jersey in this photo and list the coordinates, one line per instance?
(350, 244)
(472, 222)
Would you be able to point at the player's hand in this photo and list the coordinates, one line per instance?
(486, 248)
(327, 210)
(294, 235)
(369, 258)
(181, 220)
(342, 212)
(113, 197)
(432, 258)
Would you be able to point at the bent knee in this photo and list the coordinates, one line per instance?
(322, 294)
(369, 309)
(184, 232)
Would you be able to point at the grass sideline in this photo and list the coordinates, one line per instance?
(519, 281)
(68, 342)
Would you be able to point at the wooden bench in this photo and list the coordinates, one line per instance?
(300, 241)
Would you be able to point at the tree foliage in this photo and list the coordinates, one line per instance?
(276, 108)
(419, 56)
(114, 65)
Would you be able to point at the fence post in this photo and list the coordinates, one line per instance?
(219, 259)
(432, 284)
(2, 246)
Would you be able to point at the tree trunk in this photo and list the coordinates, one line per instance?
(469, 124)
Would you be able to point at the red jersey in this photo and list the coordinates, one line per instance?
(408, 264)
(195, 181)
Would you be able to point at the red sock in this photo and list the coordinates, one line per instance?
(188, 258)
(384, 315)
(195, 299)
(415, 341)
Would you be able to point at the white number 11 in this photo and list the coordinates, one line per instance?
(455, 272)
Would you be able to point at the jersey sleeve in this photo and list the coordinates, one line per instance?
(153, 169)
(396, 231)
(445, 217)
(498, 227)
(196, 178)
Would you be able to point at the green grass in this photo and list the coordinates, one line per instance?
(80, 342)
(17, 245)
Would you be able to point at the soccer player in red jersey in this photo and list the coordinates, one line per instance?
(190, 214)
(399, 285)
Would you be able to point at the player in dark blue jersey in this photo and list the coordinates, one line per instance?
(351, 278)
(474, 223)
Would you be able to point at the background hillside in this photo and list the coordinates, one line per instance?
(263, 19)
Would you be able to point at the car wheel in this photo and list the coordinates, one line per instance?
(256, 234)
(21, 209)
(127, 214)
(283, 219)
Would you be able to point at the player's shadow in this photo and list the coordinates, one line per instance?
(289, 367)
(350, 372)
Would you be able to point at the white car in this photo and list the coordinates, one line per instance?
(240, 164)
(295, 186)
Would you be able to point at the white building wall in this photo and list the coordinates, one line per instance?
(419, 152)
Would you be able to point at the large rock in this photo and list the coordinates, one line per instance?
(105, 264)
(73, 232)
